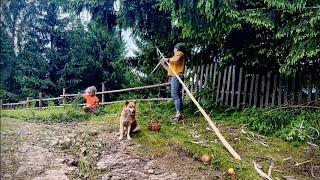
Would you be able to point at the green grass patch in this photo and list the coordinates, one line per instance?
(193, 139)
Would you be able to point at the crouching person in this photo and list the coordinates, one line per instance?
(92, 101)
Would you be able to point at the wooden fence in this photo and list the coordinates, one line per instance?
(231, 86)
(62, 100)
(234, 87)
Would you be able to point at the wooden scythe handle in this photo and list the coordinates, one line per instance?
(206, 116)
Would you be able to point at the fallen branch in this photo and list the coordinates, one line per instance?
(199, 143)
(289, 177)
(264, 143)
(250, 139)
(298, 164)
(286, 159)
(270, 169)
(260, 172)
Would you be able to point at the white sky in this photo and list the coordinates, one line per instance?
(130, 46)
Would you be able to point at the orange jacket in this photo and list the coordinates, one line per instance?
(91, 100)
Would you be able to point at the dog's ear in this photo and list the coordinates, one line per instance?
(126, 102)
(134, 101)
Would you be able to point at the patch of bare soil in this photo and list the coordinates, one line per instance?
(83, 151)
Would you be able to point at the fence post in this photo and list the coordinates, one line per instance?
(223, 86)
(27, 102)
(102, 95)
(233, 85)
(267, 98)
(262, 92)
(244, 97)
(1, 104)
(63, 98)
(206, 75)
(218, 88)
(251, 89)
(239, 88)
(226, 103)
(40, 100)
(255, 102)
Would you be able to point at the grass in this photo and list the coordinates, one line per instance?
(176, 140)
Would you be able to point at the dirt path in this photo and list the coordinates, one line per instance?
(81, 151)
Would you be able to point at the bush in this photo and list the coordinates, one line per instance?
(290, 124)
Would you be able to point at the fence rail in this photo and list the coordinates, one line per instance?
(234, 87)
(63, 98)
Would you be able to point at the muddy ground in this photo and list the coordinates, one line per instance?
(85, 150)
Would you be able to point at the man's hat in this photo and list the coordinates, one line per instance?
(178, 46)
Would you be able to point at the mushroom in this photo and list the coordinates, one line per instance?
(206, 159)
(231, 173)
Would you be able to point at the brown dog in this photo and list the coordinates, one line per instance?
(128, 122)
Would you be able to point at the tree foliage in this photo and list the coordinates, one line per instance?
(48, 47)
(45, 45)
(275, 35)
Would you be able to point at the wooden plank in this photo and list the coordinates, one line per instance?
(251, 89)
(206, 116)
(256, 91)
(218, 88)
(309, 94)
(103, 89)
(135, 88)
(215, 72)
(40, 100)
(223, 86)
(192, 78)
(244, 97)
(239, 88)
(197, 80)
(201, 77)
(206, 75)
(27, 102)
(138, 100)
(286, 84)
(310, 89)
(64, 97)
(210, 73)
(233, 85)
(11, 104)
(280, 91)
(262, 92)
(226, 103)
(1, 103)
(274, 90)
(267, 98)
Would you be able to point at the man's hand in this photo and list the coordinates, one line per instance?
(163, 60)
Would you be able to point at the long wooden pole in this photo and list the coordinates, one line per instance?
(206, 116)
(160, 63)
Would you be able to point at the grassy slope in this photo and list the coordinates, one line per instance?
(175, 139)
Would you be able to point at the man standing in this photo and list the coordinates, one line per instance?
(177, 64)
